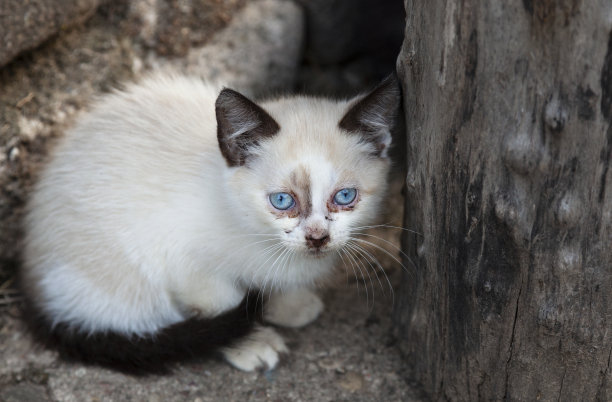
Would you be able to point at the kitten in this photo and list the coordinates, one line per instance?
(169, 212)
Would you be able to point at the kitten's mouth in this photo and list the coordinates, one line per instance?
(317, 252)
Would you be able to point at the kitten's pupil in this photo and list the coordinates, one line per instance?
(345, 196)
(281, 201)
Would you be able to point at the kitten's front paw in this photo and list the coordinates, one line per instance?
(293, 309)
(260, 349)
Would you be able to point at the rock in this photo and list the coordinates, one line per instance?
(25, 24)
(351, 381)
(24, 392)
(172, 27)
(258, 53)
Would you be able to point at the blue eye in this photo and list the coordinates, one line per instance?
(345, 196)
(281, 201)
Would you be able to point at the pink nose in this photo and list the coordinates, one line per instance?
(314, 241)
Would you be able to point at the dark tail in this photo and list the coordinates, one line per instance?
(192, 339)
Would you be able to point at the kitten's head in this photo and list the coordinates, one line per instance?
(310, 171)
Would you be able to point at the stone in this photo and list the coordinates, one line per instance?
(351, 381)
(258, 53)
(25, 24)
(172, 27)
(24, 392)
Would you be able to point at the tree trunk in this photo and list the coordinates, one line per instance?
(508, 108)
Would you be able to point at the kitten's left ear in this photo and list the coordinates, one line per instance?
(373, 115)
(241, 125)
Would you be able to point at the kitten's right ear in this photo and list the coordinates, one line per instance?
(372, 116)
(241, 124)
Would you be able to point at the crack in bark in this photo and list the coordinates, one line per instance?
(561, 387)
(606, 154)
(600, 389)
(511, 347)
(606, 110)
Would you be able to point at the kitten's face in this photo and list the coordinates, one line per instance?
(309, 171)
(312, 185)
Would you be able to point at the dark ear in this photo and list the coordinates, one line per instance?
(241, 124)
(372, 116)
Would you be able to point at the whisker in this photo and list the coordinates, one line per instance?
(366, 271)
(353, 269)
(365, 285)
(345, 267)
(273, 285)
(383, 240)
(244, 246)
(265, 280)
(275, 248)
(264, 252)
(384, 225)
(360, 251)
(269, 251)
(288, 263)
(277, 236)
(388, 253)
(375, 260)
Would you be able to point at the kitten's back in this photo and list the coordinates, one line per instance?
(103, 205)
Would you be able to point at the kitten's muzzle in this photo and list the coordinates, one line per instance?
(312, 241)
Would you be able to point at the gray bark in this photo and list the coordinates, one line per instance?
(508, 110)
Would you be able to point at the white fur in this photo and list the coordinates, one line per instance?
(260, 349)
(294, 309)
(137, 219)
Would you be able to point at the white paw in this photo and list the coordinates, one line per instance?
(293, 309)
(260, 349)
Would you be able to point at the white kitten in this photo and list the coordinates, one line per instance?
(170, 201)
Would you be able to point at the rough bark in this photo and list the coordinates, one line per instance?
(508, 109)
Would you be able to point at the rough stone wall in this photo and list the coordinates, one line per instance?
(25, 24)
(44, 90)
